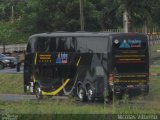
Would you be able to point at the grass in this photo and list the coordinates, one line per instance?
(155, 47)
(155, 69)
(72, 107)
(13, 83)
(51, 107)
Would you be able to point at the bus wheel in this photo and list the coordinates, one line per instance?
(81, 93)
(90, 94)
(38, 92)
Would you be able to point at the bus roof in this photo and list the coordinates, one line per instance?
(85, 34)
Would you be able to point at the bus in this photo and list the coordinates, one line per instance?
(88, 65)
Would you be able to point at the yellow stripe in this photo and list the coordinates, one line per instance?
(34, 80)
(56, 91)
(45, 55)
(35, 60)
(78, 61)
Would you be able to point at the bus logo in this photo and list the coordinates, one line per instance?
(135, 43)
(131, 44)
(116, 41)
(124, 44)
(62, 58)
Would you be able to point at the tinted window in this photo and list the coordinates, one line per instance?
(56, 44)
(97, 44)
(70, 44)
(52, 44)
(92, 44)
(31, 47)
(130, 42)
(61, 44)
(66, 44)
(42, 44)
(81, 45)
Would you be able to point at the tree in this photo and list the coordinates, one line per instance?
(35, 16)
(138, 11)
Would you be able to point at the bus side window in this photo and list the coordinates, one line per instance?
(81, 45)
(28, 50)
(73, 44)
(60, 44)
(97, 45)
(42, 45)
(31, 45)
(67, 44)
(70, 44)
(52, 44)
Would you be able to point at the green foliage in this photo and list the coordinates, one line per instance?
(35, 16)
(9, 33)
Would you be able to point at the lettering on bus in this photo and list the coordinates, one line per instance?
(45, 58)
(62, 58)
(135, 43)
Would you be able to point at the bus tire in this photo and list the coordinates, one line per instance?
(90, 94)
(81, 93)
(38, 92)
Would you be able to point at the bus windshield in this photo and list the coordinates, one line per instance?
(130, 54)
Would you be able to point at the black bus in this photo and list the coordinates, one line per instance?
(89, 65)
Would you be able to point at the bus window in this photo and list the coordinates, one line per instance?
(42, 44)
(126, 60)
(90, 44)
(65, 44)
(52, 44)
(61, 44)
(28, 50)
(31, 45)
(96, 47)
(70, 44)
(81, 45)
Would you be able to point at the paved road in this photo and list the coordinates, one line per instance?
(9, 71)
(16, 97)
(21, 97)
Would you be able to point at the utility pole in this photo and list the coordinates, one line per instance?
(12, 17)
(81, 15)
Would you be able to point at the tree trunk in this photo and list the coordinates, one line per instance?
(4, 50)
(127, 21)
